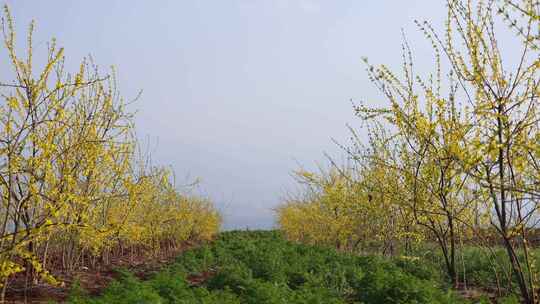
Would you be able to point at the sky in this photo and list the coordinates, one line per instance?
(238, 93)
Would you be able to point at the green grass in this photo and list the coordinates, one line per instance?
(482, 268)
(261, 267)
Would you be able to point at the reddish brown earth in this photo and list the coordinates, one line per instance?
(201, 278)
(93, 280)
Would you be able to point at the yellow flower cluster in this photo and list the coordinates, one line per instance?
(73, 190)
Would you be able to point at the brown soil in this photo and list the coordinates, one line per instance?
(93, 280)
(201, 278)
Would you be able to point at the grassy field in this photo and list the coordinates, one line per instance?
(261, 267)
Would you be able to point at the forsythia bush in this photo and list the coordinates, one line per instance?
(72, 187)
(453, 156)
(337, 209)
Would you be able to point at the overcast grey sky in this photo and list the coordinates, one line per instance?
(238, 92)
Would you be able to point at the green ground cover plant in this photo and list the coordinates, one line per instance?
(262, 267)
